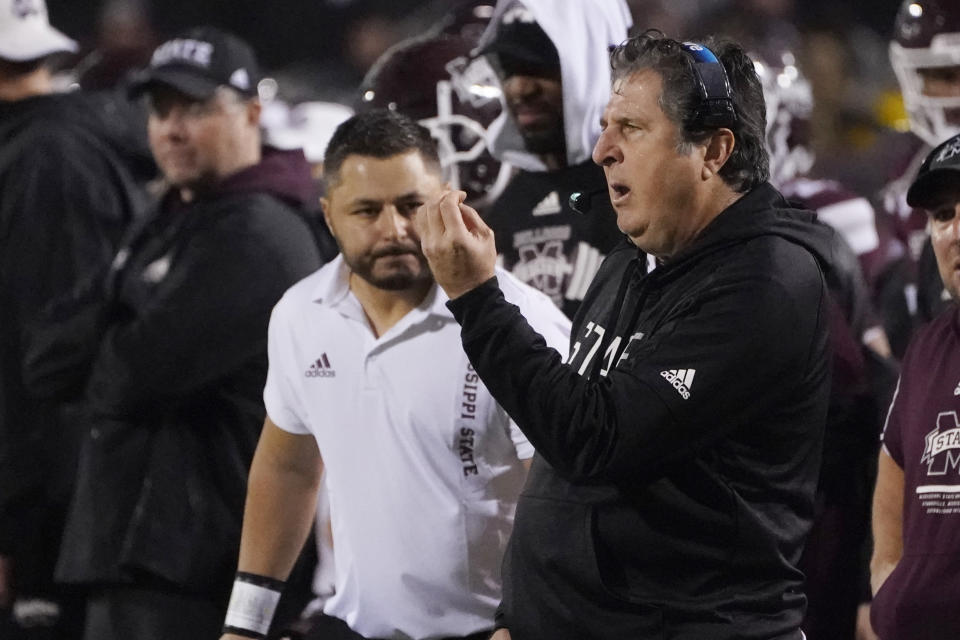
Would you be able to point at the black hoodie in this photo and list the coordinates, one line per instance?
(66, 199)
(678, 446)
(169, 355)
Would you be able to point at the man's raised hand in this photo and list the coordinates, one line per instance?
(457, 243)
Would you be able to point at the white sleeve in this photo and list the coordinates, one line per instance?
(283, 406)
(539, 310)
(547, 319)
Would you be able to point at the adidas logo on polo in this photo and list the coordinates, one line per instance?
(548, 206)
(681, 379)
(321, 368)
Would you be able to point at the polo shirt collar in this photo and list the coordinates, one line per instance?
(333, 283)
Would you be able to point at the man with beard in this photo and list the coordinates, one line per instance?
(368, 383)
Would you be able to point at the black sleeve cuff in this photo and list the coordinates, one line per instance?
(500, 618)
(465, 306)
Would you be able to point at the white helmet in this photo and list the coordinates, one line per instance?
(926, 37)
(789, 99)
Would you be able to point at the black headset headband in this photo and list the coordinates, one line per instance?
(715, 109)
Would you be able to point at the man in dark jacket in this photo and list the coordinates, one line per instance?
(66, 197)
(679, 443)
(169, 352)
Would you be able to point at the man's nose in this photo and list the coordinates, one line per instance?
(394, 223)
(172, 123)
(521, 86)
(606, 152)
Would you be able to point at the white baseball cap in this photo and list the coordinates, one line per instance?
(26, 34)
(308, 126)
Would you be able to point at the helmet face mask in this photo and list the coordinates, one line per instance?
(434, 80)
(467, 102)
(789, 100)
(925, 55)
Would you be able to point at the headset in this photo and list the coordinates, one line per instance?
(582, 201)
(715, 109)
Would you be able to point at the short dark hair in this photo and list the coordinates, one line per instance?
(748, 165)
(379, 133)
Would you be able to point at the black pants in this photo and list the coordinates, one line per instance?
(323, 627)
(138, 613)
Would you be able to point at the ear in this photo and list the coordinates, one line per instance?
(718, 151)
(325, 207)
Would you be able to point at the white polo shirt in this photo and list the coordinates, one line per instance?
(422, 465)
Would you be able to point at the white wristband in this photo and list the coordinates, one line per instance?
(251, 607)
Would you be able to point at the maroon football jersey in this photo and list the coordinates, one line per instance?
(922, 434)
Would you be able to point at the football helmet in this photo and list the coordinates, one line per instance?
(434, 79)
(927, 41)
(468, 20)
(789, 99)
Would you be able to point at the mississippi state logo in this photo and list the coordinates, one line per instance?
(544, 267)
(941, 451)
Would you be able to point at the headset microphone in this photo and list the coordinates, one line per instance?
(581, 201)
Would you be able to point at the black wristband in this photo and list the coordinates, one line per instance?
(261, 581)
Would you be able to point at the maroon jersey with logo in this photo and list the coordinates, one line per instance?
(921, 598)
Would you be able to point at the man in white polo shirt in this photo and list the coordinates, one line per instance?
(368, 380)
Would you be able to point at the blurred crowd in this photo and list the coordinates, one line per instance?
(321, 51)
(851, 112)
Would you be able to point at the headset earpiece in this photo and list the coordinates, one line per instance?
(715, 109)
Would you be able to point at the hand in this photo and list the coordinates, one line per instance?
(458, 245)
(501, 634)
(233, 636)
(6, 582)
(864, 628)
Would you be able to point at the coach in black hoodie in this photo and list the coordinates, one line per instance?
(166, 356)
(678, 445)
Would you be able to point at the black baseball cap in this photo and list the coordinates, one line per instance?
(521, 46)
(198, 61)
(940, 170)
